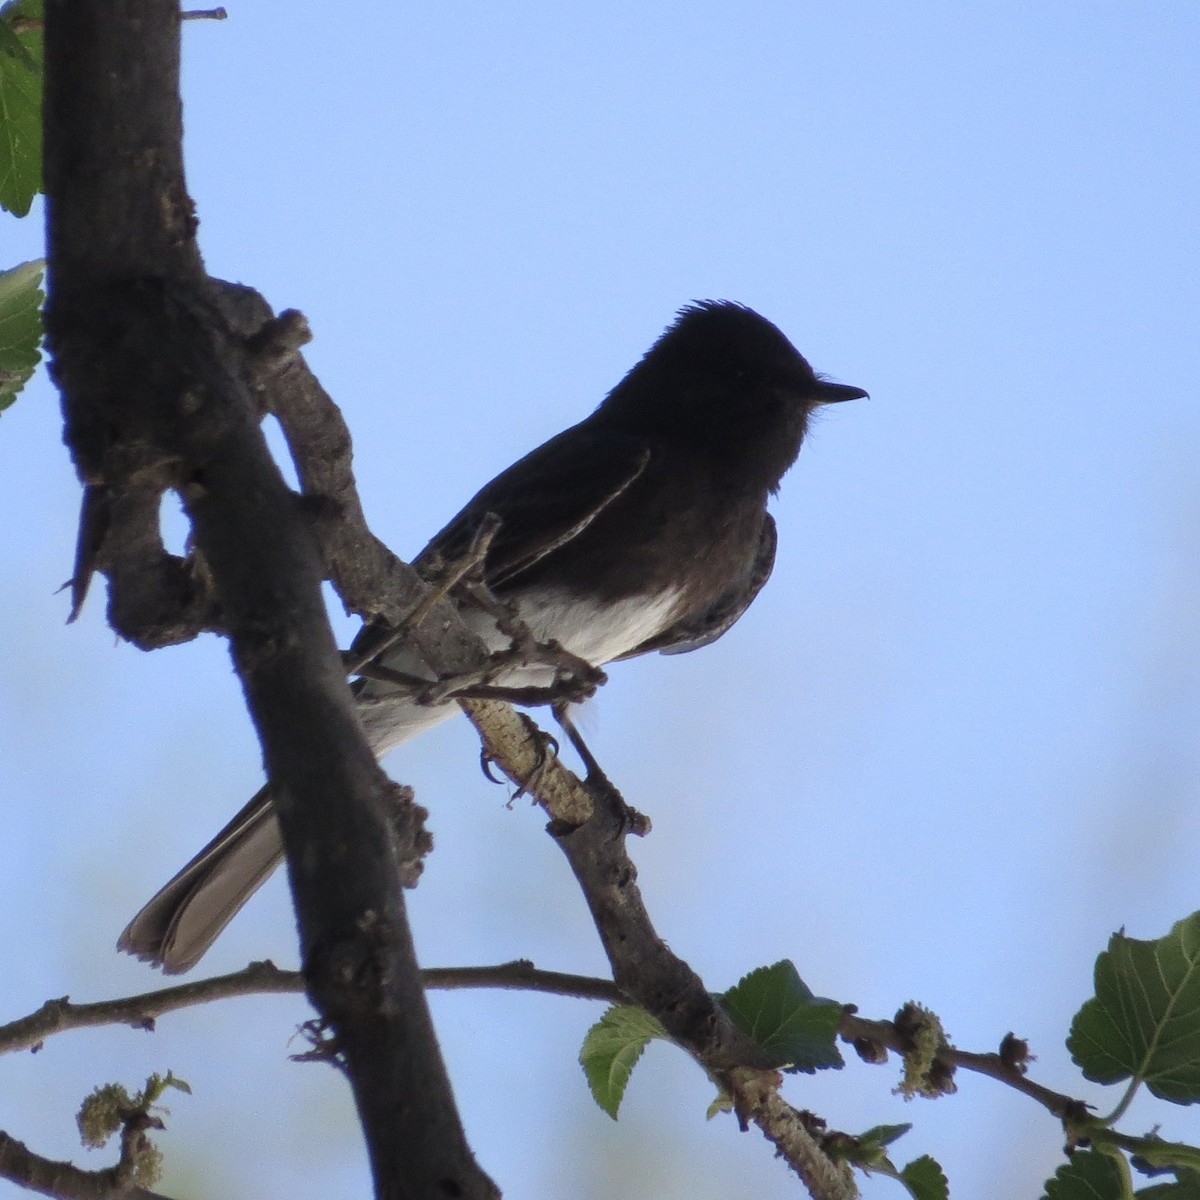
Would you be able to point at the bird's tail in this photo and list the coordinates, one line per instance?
(184, 918)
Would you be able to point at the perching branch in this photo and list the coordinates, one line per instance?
(644, 968)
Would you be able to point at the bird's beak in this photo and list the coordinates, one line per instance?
(834, 393)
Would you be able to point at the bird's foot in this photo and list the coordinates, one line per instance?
(599, 786)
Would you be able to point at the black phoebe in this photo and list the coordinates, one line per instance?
(644, 527)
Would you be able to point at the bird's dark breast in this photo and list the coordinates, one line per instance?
(681, 527)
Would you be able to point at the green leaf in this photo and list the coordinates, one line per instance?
(611, 1050)
(1088, 1176)
(1144, 1021)
(867, 1151)
(1184, 1189)
(20, 104)
(1153, 1155)
(925, 1179)
(157, 1084)
(774, 1007)
(20, 327)
(883, 1135)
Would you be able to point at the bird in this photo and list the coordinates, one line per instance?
(642, 528)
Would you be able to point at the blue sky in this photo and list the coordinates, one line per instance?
(950, 749)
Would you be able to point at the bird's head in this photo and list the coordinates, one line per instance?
(725, 379)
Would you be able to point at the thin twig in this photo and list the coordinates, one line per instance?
(863, 1034)
(264, 978)
(522, 975)
(475, 685)
(445, 581)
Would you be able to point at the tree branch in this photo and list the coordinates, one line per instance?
(872, 1039)
(156, 396)
(369, 578)
(755, 1092)
(264, 978)
(589, 823)
(64, 1180)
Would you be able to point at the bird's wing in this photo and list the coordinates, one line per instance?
(701, 628)
(544, 500)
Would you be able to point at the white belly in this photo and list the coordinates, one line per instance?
(595, 634)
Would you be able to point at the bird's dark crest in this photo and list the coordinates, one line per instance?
(722, 335)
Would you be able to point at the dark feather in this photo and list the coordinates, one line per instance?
(545, 500)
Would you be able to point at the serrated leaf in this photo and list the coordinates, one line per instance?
(773, 1006)
(20, 105)
(611, 1050)
(20, 327)
(1088, 1176)
(1183, 1190)
(925, 1179)
(1144, 1021)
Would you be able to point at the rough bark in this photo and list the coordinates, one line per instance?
(157, 394)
